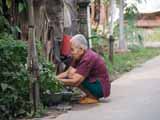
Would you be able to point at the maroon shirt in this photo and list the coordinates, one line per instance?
(92, 67)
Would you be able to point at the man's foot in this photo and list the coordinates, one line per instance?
(88, 100)
(82, 98)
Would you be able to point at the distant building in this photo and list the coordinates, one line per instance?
(149, 20)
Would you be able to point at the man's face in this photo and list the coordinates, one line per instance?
(76, 52)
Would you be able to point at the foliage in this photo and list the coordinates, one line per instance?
(134, 37)
(99, 42)
(14, 76)
(22, 4)
(127, 61)
(48, 83)
(5, 26)
(131, 12)
(14, 79)
(150, 34)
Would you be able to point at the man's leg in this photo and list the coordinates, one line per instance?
(87, 93)
(93, 91)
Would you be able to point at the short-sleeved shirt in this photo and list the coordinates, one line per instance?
(92, 66)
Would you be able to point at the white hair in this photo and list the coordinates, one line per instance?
(80, 41)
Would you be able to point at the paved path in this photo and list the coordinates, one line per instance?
(135, 96)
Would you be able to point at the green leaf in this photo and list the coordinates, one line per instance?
(9, 3)
(4, 86)
(20, 7)
(1, 11)
(18, 29)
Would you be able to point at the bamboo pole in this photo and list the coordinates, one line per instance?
(33, 61)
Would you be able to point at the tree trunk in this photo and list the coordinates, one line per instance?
(105, 25)
(122, 44)
(89, 25)
(33, 60)
(111, 16)
(111, 38)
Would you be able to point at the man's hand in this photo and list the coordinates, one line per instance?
(70, 77)
(62, 75)
(75, 81)
(67, 74)
(71, 72)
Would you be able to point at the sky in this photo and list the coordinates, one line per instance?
(147, 6)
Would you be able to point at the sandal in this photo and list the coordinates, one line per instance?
(88, 100)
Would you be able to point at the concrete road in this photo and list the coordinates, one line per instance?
(135, 96)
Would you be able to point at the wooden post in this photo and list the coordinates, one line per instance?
(33, 66)
(111, 48)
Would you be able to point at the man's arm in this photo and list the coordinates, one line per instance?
(76, 80)
(67, 73)
(62, 75)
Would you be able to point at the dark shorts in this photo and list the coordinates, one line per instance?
(94, 88)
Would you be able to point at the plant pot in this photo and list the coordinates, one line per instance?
(67, 96)
(56, 98)
(52, 99)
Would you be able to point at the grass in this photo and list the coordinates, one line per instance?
(151, 34)
(127, 61)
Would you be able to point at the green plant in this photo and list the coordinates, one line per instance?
(14, 100)
(14, 79)
(4, 24)
(48, 83)
(99, 43)
(127, 61)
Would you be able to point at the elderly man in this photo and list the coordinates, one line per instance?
(87, 71)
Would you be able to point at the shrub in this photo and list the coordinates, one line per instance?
(14, 79)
